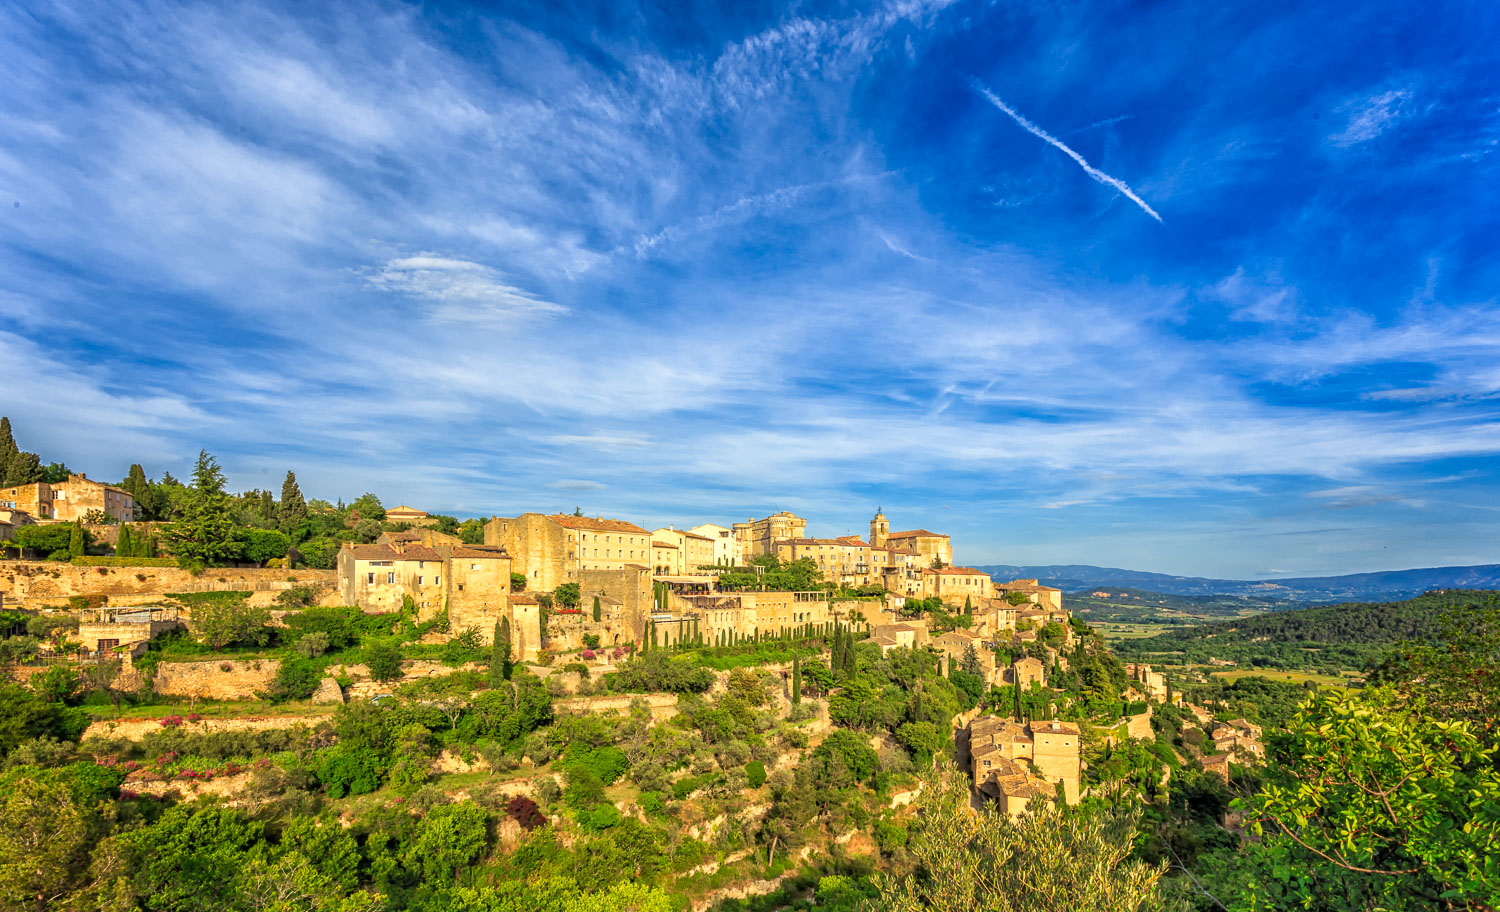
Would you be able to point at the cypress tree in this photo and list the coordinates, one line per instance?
(139, 487)
(596, 609)
(500, 654)
(796, 678)
(293, 511)
(16, 466)
(75, 540)
(125, 544)
(968, 606)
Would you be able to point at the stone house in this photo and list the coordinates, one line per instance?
(955, 585)
(955, 644)
(694, 551)
(409, 515)
(1026, 672)
(68, 501)
(1034, 591)
(845, 561)
(555, 549)
(1052, 749)
(726, 551)
(124, 629)
(933, 546)
(1152, 683)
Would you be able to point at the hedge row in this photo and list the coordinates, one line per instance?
(87, 561)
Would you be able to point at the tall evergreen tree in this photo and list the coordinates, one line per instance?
(968, 606)
(293, 511)
(796, 678)
(596, 609)
(75, 540)
(139, 487)
(500, 655)
(205, 534)
(16, 466)
(267, 506)
(125, 544)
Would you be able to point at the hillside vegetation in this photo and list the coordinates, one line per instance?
(1329, 637)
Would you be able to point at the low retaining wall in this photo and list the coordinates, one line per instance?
(39, 584)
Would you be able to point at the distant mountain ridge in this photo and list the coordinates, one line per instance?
(1384, 584)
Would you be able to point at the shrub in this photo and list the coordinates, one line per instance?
(312, 645)
(755, 773)
(602, 817)
(348, 772)
(384, 662)
(579, 667)
(653, 803)
(465, 646)
(296, 679)
(525, 812)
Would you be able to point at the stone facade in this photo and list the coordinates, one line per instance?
(726, 551)
(1026, 672)
(556, 549)
(759, 536)
(955, 585)
(693, 552)
(122, 629)
(933, 546)
(845, 561)
(1053, 749)
(409, 515)
(1152, 683)
(69, 500)
(1042, 596)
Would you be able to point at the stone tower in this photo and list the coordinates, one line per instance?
(880, 529)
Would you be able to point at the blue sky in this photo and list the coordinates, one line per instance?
(1199, 288)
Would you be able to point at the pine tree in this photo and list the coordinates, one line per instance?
(267, 506)
(293, 510)
(796, 678)
(75, 541)
(596, 609)
(205, 535)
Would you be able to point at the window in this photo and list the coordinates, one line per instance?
(437, 580)
(476, 566)
(108, 644)
(419, 581)
(390, 577)
(370, 579)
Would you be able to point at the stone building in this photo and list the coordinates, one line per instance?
(726, 551)
(993, 617)
(1152, 683)
(935, 548)
(845, 561)
(694, 551)
(737, 616)
(68, 501)
(1026, 672)
(125, 629)
(666, 559)
(955, 585)
(1052, 749)
(432, 538)
(1042, 596)
(1011, 785)
(759, 536)
(409, 515)
(1240, 739)
(955, 644)
(556, 549)
(470, 582)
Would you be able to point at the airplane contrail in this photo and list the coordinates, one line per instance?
(1039, 133)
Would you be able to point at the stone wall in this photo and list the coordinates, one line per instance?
(1138, 727)
(136, 729)
(40, 584)
(222, 680)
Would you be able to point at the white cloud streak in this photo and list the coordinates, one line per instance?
(1043, 135)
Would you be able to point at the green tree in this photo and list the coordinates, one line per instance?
(500, 654)
(262, 545)
(205, 534)
(16, 467)
(597, 613)
(796, 679)
(567, 595)
(139, 487)
(1370, 802)
(1051, 858)
(125, 544)
(45, 837)
(291, 514)
(227, 622)
(75, 541)
(384, 662)
(367, 506)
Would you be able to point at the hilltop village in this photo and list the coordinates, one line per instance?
(396, 709)
(562, 586)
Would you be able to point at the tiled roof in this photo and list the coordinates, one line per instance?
(518, 598)
(387, 553)
(957, 571)
(405, 509)
(662, 545)
(916, 533)
(697, 536)
(822, 541)
(473, 551)
(597, 524)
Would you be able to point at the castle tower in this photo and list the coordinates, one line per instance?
(880, 528)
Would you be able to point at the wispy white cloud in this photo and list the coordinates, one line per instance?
(577, 484)
(1369, 116)
(459, 291)
(1058, 144)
